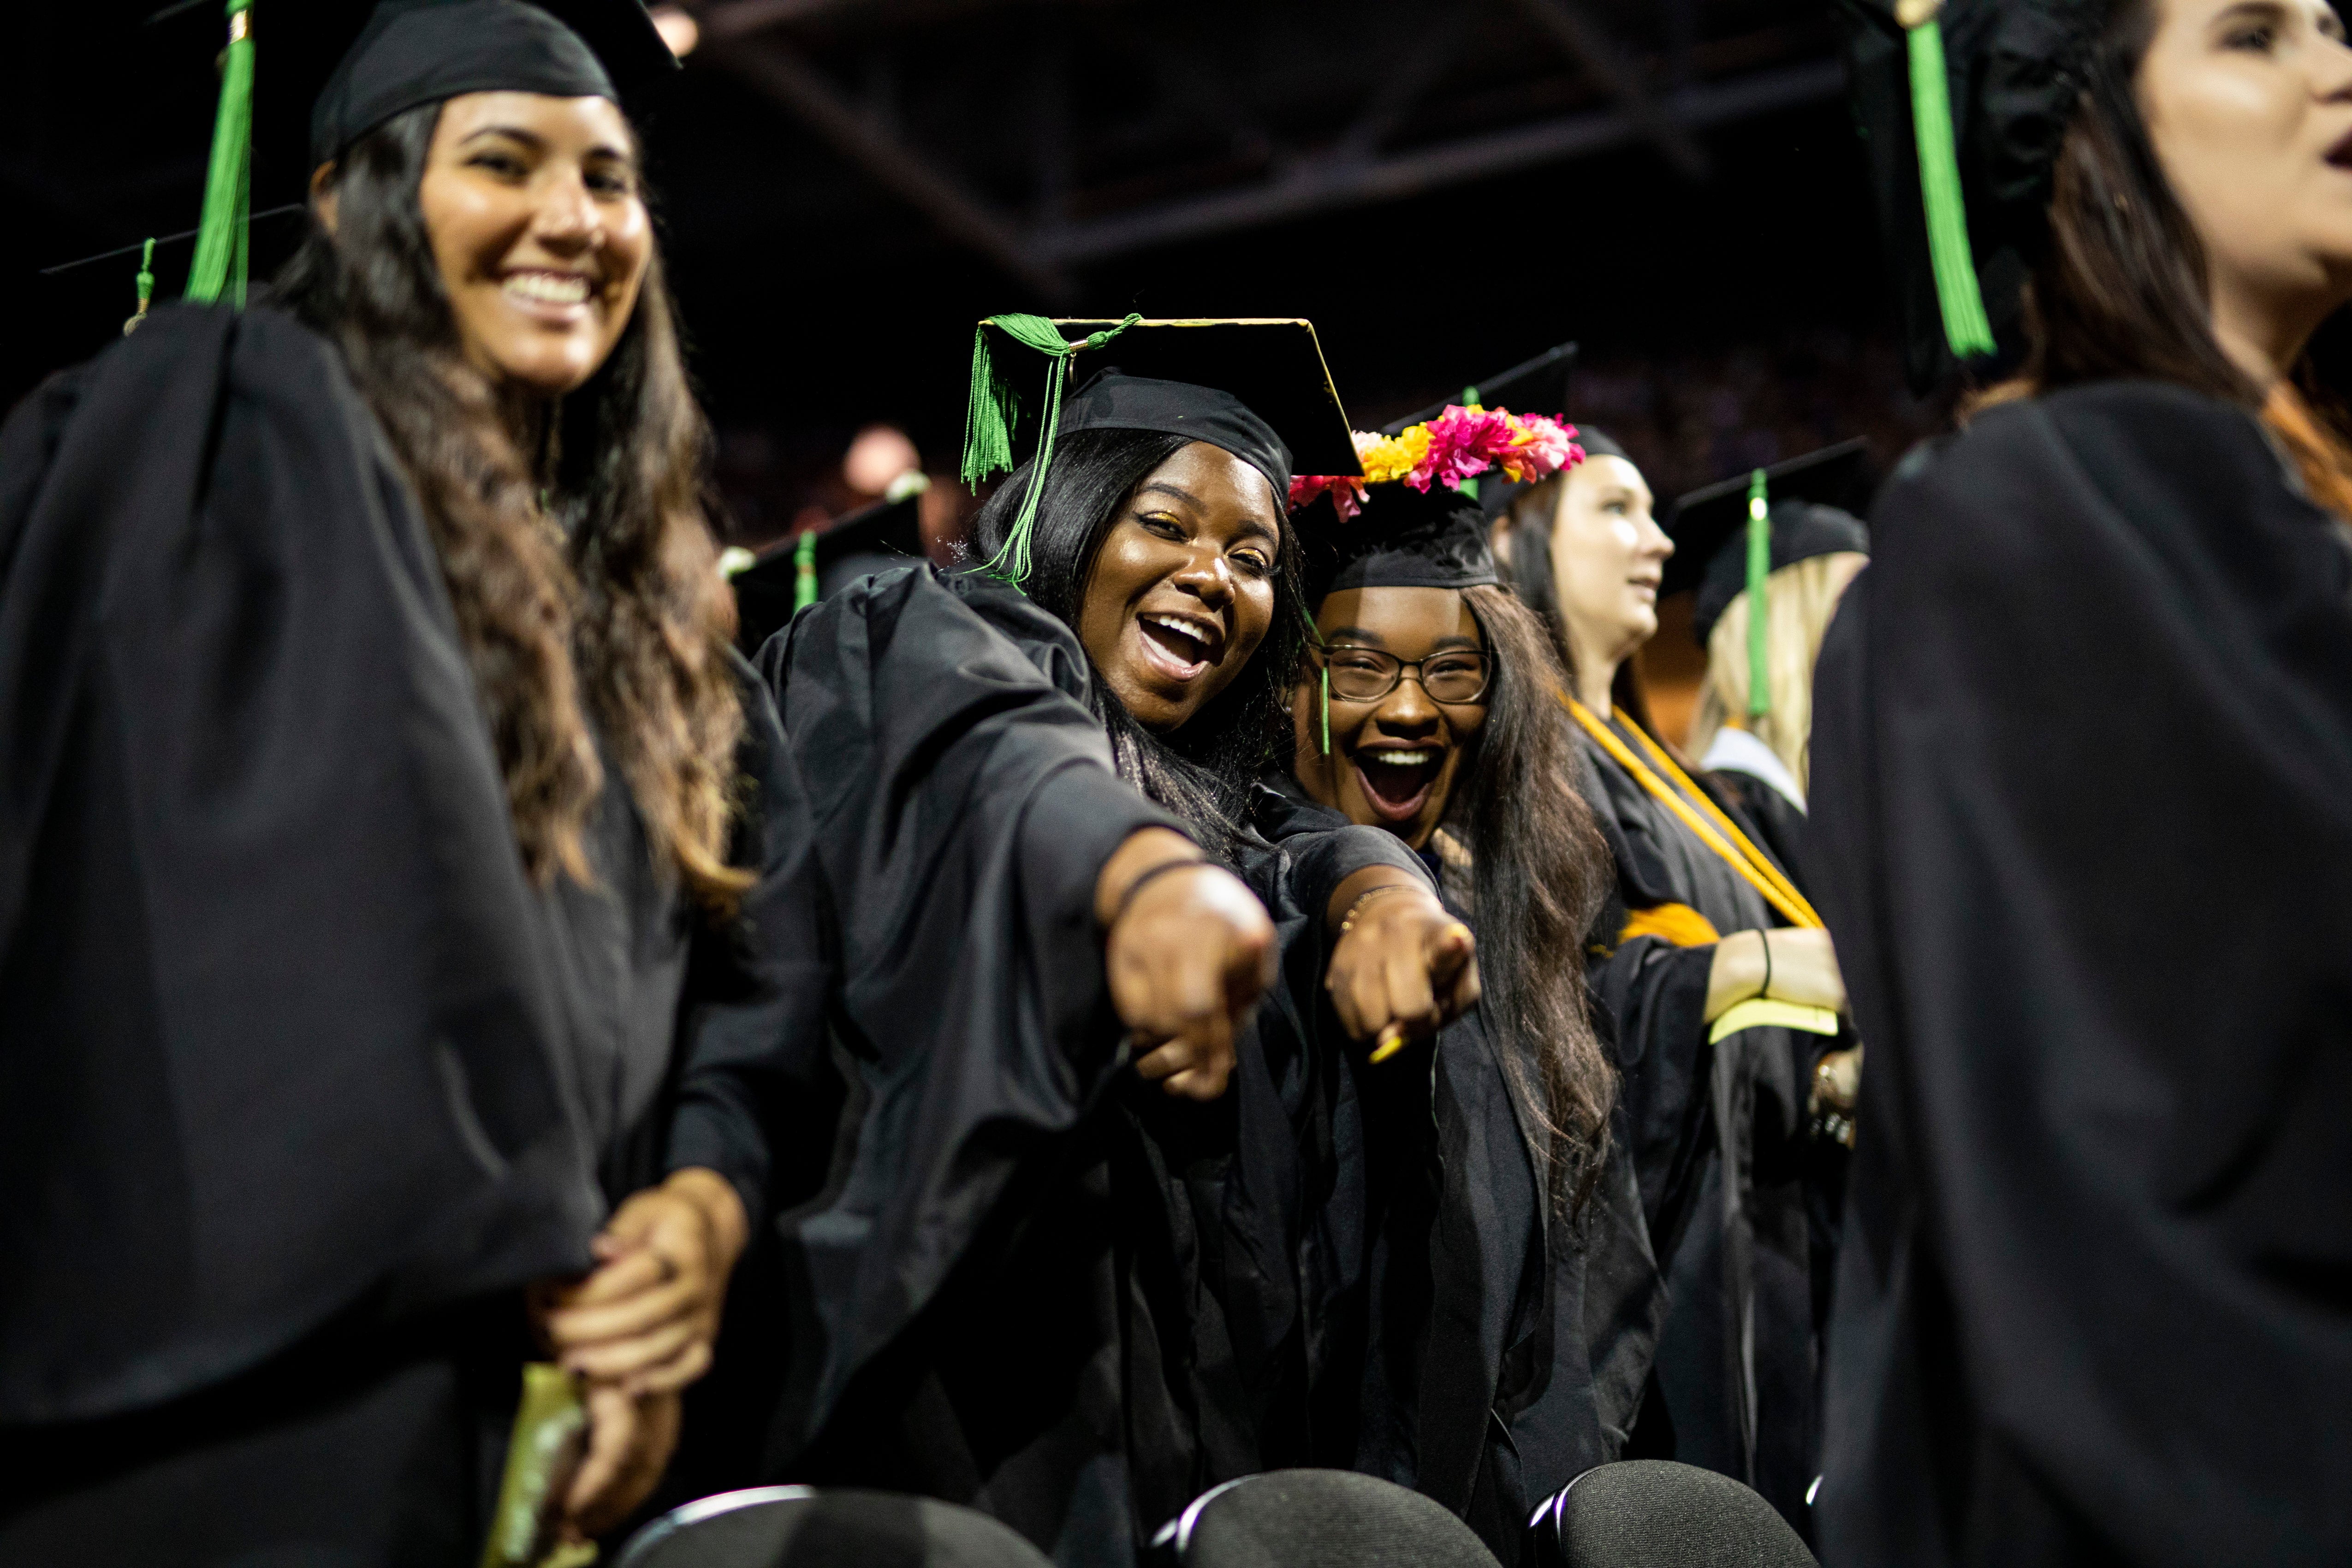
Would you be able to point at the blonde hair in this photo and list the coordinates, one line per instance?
(1800, 599)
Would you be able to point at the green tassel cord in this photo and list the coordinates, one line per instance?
(805, 572)
(146, 288)
(1759, 567)
(1966, 327)
(221, 251)
(993, 412)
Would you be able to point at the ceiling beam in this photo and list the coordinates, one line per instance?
(784, 76)
(1324, 185)
(1588, 45)
(1427, 62)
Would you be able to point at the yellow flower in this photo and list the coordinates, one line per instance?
(1387, 459)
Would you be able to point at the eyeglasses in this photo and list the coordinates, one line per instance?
(1367, 675)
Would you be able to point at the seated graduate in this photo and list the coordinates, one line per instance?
(376, 762)
(1513, 1304)
(1077, 1257)
(2083, 772)
(1767, 611)
(1723, 990)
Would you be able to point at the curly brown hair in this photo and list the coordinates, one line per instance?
(572, 535)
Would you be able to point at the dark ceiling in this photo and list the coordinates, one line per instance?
(1444, 188)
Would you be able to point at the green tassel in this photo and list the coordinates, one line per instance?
(989, 419)
(1759, 567)
(221, 258)
(1966, 327)
(146, 288)
(804, 571)
(1469, 486)
(1327, 709)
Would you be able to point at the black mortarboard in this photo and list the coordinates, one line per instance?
(1962, 172)
(1257, 387)
(1538, 386)
(414, 52)
(1811, 501)
(821, 562)
(1403, 538)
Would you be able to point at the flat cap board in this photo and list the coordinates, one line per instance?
(1272, 365)
(1538, 386)
(1704, 520)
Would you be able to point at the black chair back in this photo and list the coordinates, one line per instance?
(1319, 1519)
(801, 1527)
(1655, 1513)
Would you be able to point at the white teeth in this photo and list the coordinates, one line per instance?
(1184, 629)
(1404, 759)
(557, 289)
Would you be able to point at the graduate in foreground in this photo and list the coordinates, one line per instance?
(1081, 1248)
(381, 793)
(1514, 1299)
(2082, 766)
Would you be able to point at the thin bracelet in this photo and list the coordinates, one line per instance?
(1347, 921)
(1141, 878)
(1766, 938)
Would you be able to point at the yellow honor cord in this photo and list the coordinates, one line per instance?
(1748, 861)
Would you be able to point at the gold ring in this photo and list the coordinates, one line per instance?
(1392, 1042)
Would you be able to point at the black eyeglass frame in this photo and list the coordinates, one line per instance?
(1396, 676)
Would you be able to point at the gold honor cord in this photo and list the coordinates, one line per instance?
(1745, 859)
(1756, 857)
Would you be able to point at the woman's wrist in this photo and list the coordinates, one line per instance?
(1737, 973)
(721, 1206)
(1147, 853)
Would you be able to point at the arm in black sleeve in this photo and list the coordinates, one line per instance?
(757, 1093)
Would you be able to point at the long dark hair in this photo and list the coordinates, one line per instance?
(2121, 286)
(1539, 871)
(1202, 771)
(612, 606)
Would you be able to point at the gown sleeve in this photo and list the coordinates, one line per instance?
(963, 802)
(280, 1028)
(756, 1093)
(2097, 697)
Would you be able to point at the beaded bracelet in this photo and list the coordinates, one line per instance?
(1347, 921)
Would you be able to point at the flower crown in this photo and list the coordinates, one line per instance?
(1460, 444)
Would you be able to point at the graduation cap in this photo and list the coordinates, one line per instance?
(788, 577)
(1538, 386)
(1257, 387)
(1962, 106)
(1404, 539)
(1729, 537)
(415, 52)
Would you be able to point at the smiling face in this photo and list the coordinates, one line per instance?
(539, 231)
(1182, 589)
(2249, 106)
(1607, 555)
(1394, 758)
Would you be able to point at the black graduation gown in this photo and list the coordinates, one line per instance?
(1719, 1146)
(1506, 1346)
(1035, 1284)
(302, 1078)
(2083, 756)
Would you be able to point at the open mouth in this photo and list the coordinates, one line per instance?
(1397, 779)
(1177, 646)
